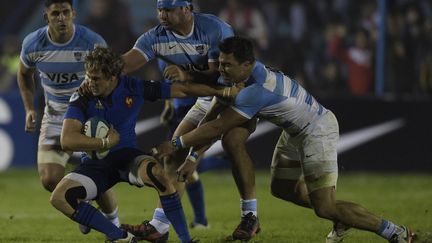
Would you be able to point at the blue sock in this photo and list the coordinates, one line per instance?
(172, 207)
(196, 197)
(87, 215)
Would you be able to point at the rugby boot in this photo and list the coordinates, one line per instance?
(406, 236)
(146, 231)
(337, 234)
(249, 226)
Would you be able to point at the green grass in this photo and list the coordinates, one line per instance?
(26, 215)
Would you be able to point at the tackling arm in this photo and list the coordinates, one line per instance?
(133, 60)
(211, 130)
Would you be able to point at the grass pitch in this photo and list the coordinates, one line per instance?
(26, 215)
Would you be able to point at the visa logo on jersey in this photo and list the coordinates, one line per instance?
(62, 78)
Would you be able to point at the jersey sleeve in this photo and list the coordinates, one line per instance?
(224, 31)
(77, 108)
(144, 45)
(250, 101)
(26, 58)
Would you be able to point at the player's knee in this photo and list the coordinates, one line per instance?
(49, 182)
(153, 173)
(283, 192)
(324, 211)
(57, 199)
(230, 143)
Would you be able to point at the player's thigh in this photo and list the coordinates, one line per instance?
(51, 162)
(286, 169)
(319, 154)
(190, 121)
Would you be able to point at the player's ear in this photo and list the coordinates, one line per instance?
(45, 16)
(74, 14)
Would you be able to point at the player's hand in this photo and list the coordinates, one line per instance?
(163, 150)
(176, 73)
(113, 137)
(186, 169)
(167, 113)
(84, 88)
(30, 123)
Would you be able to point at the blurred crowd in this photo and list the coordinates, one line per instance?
(329, 45)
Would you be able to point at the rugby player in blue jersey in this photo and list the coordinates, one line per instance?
(57, 52)
(304, 166)
(117, 99)
(186, 45)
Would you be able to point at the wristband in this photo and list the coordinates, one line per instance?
(177, 142)
(193, 156)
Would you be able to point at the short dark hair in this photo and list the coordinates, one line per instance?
(240, 47)
(104, 60)
(49, 2)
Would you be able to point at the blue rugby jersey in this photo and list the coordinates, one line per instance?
(60, 66)
(121, 108)
(192, 52)
(275, 97)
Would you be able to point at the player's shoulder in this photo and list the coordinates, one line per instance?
(35, 39)
(210, 21)
(129, 84)
(259, 74)
(79, 100)
(86, 34)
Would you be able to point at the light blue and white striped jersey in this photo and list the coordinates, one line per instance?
(275, 97)
(60, 66)
(192, 52)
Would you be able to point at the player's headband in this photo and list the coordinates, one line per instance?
(173, 3)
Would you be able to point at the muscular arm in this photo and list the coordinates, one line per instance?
(215, 109)
(133, 60)
(181, 90)
(73, 140)
(26, 86)
(209, 131)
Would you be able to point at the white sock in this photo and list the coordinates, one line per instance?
(160, 221)
(248, 206)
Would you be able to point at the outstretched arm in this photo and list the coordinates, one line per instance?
(188, 89)
(192, 160)
(204, 134)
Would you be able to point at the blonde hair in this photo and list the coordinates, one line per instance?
(103, 59)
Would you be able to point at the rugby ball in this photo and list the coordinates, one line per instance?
(96, 127)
